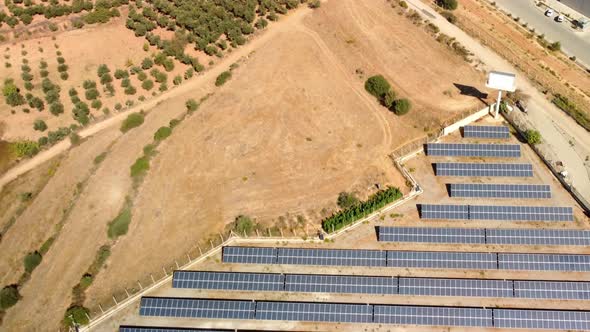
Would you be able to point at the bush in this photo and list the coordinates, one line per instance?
(75, 139)
(533, 136)
(162, 133)
(388, 99)
(147, 85)
(133, 120)
(32, 260)
(121, 73)
(314, 4)
(130, 90)
(147, 63)
(96, 104)
(120, 224)
(140, 167)
(447, 4)
(40, 125)
(12, 94)
(25, 148)
(401, 106)
(377, 86)
(88, 84)
(243, 225)
(191, 105)
(363, 209)
(76, 315)
(222, 78)
(347, 200)
(56, 108)
(102, 69)
(91, 94)
(556, 46)
(141, 76)
(450, 17)
(177, 80)
(570, 108)
(64, 76)
(9, 295)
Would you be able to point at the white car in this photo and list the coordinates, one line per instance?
(559, 18)
(549, 12)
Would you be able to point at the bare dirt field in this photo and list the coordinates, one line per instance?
(291, 130)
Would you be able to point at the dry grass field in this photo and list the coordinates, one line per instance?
(291, 129)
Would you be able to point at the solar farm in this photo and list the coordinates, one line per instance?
(494, 243)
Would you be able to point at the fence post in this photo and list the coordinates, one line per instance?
(221, 237)
(100, 307)
(114, 299)
(211, 243)
(200, 251)
(126, 292)
(166, 273)
(189, 257)
(257, 234)
(153, 281)
(139, 283)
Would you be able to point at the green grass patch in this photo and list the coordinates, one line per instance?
(347, 216)
(46, 245)
(162, 133)
(76, 314)
(140, 166)
(120, 224)
(86, 281)
(9, 295)
(222, 78)
(32, 260)
(100, 158)
(570, 108)
(133, 120)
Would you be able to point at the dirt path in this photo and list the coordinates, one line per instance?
(243, 51)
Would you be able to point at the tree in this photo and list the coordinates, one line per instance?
(56, 108)
(192, 105)
(347, 200)
(121, 73)
(533, 136)
(147, 63)
(32, 260)
(377, 86)
(9, 295)
(91, 94)
(40, 125)
(447, 4)
(102, 69)
(177, 80)
(147, 85)
(401, 106)
(12, 94)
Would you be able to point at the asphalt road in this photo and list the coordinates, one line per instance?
(572, 42)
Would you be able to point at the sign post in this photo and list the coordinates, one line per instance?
(502, 82)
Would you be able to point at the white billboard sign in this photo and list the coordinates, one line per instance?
(501, 81)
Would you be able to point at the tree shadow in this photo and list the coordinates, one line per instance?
(468, 90)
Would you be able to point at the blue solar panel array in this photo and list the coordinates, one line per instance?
(551, 237)
(433, 259)
(473, 150)
(319, 283)
(483, 169)
(497, 132)
(495, 212)
(366, 313)
(484, 190)
(166, 329)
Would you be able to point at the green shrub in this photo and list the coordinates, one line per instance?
(447, 4)
(361, 210)
(25, 148)
(86, 280)
(130, 90)
(140, 167)
(121, 73)
(147, 63)
(12, 93)
(222, 78)
(162, 133)
(177, 80)
(147, 85)
(243, 225)
(100, 158)
(141, 76)
(91, 94)
(377, 86)
(533, 136)
(192, 105)
(450, 17)
(314, 4)
(570, 108)
(401, 106)
(556, 46)
(102, 70)
(133, 120)
(96, 104)
(347, 200)
(39, 125)
(9, 295)
(32, 260)
(76, 315)
(388, 99)
(120, 224)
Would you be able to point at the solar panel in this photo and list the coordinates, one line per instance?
(432, 235)
(524, 213)
(449, 316)
(486, 132)
(544, 262)
(196, 308)
(252, 255)
(565, 290)
(314, 312)
(442, 259)
(473, 150)
(485, 190)
(353, 257)
(483, 170)
(340, 284)
(455, 287)
(542, 319)
(228, 280)
(434, 211)
(165, 329)
(572, 237)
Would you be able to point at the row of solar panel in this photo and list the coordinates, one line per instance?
(562, 237)
(128, 328)
(486, 132)
(365, 313)
(483, 169)
(496, 212)
(485, 190)
(417, 259)
(473, 150)
(314, 283)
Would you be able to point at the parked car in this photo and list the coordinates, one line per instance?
(549, 12)
(521, 106)
(559, 18)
